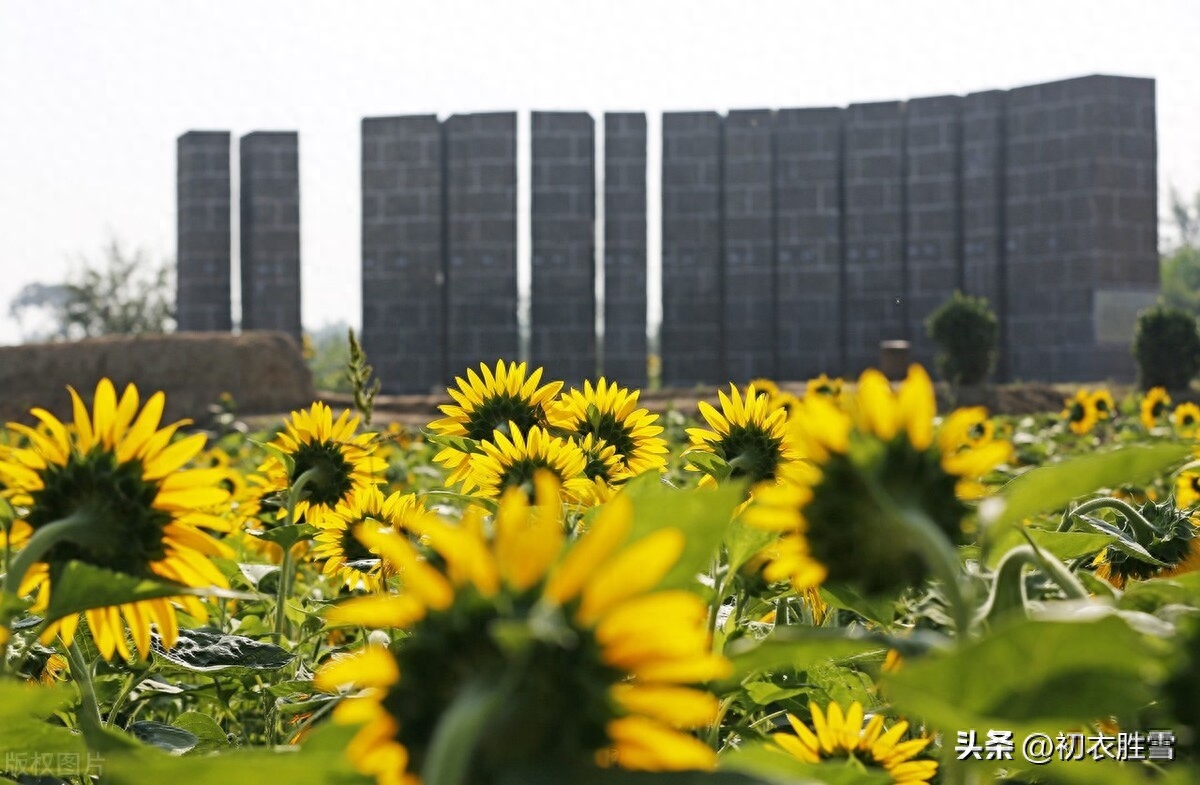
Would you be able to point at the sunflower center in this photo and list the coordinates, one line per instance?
(751, 452)
(126, 534)
(1077, 412)
(353, 551)
(563, 686)
(333, 477)
(519, 474)
(495, 413)
(612, 431)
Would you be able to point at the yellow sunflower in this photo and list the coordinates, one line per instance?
(1186, 418)
(611, 413)
(748, 434)
(1102, 402)
(346, 558)
(837, 736)
(823, 385)
(885, 454)
(115, 485)
(1187, 489)
(512, 461)
(332, 458)
(1175, 542)
(487, 402)
(594, 663)
(1154, 406)
(1080, 413)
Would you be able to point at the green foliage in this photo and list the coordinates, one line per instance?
(1179, 276)
(359, 373)
(122, 294)
(966, 331)
(328, 354)
(1167, 347)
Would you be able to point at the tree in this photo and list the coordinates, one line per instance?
(1179, 270)
(124, 294)
(965, 330)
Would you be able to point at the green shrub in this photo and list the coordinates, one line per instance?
(1167, 347)
(965, 330)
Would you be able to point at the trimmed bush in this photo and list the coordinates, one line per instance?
(1167, 347)
(965, 330)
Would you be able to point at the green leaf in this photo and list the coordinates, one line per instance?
(1031, 676)
(549, 775)
(460, 443)
(166, 737)
(209, 736)
(80, 587)
(1064, 545)
(1153, 594)
(1050, 488)
(881, 610)
(710, 463)
(23, 712)
(797, 648)
(287, 536)
(210, 651)
(774, 765)
(702, 514)
(255, 573)
(743, 542)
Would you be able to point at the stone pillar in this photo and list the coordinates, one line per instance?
(624, 353)
(481, 235)
(749, 252)
(692, 340)
(933, 152)
(563, 285)
(203, 239)
(402, 279)
(270, 232)
(874, 269)
(808, 214)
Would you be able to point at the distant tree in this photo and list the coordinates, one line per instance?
(1179, 271)
(122, 294)
(328, 353)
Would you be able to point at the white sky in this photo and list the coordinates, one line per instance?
(94, 94)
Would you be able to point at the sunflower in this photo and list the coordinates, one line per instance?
(115, 484)
(885, 454)
(1080, 413)
(512, 461)
(1154, 406)
(1187, 489)
(748, 434)
(345, 556)
(1186, 418)
(593, 662)
(838, 736)
(611, 413)
(1173, 542)
(776, 398)
(823, 385)
(334, 460)
(485, 404)
(1102, 402)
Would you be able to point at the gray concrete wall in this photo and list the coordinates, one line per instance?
(270, 231)
(402, 278)
(204, 244)
(563, 234)
(624, 350)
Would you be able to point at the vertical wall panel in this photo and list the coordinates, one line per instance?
(402, 278)
(875, 286)
(625, 248)
(691, 248)
(808, 297)
(203, 238)
(270, 231)
(482, 237)
(749, 261)
(563, 308)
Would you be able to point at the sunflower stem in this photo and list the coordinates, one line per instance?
(942, 560)
(45, 538)
(287, 568)
(82, 674)
(1142, 528)
(452, 748)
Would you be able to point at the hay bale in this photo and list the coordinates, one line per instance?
(263, 371)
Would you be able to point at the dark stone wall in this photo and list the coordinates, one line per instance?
(270, 231)
(402, 278)
(203, 239)
(624, 350)
(481, 234)
(563, 233)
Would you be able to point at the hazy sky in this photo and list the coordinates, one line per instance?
(94, 94)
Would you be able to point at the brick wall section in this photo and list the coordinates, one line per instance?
(874, 274)
(563, 285)
(270, 232)
(624, 353)
(983, 194)
(933, 153)
(808, 296)
(691, 248)
(749, 253)
(203, 239)
(482, 237)
(402, 279)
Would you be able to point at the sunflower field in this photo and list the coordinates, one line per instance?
(555, 585)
